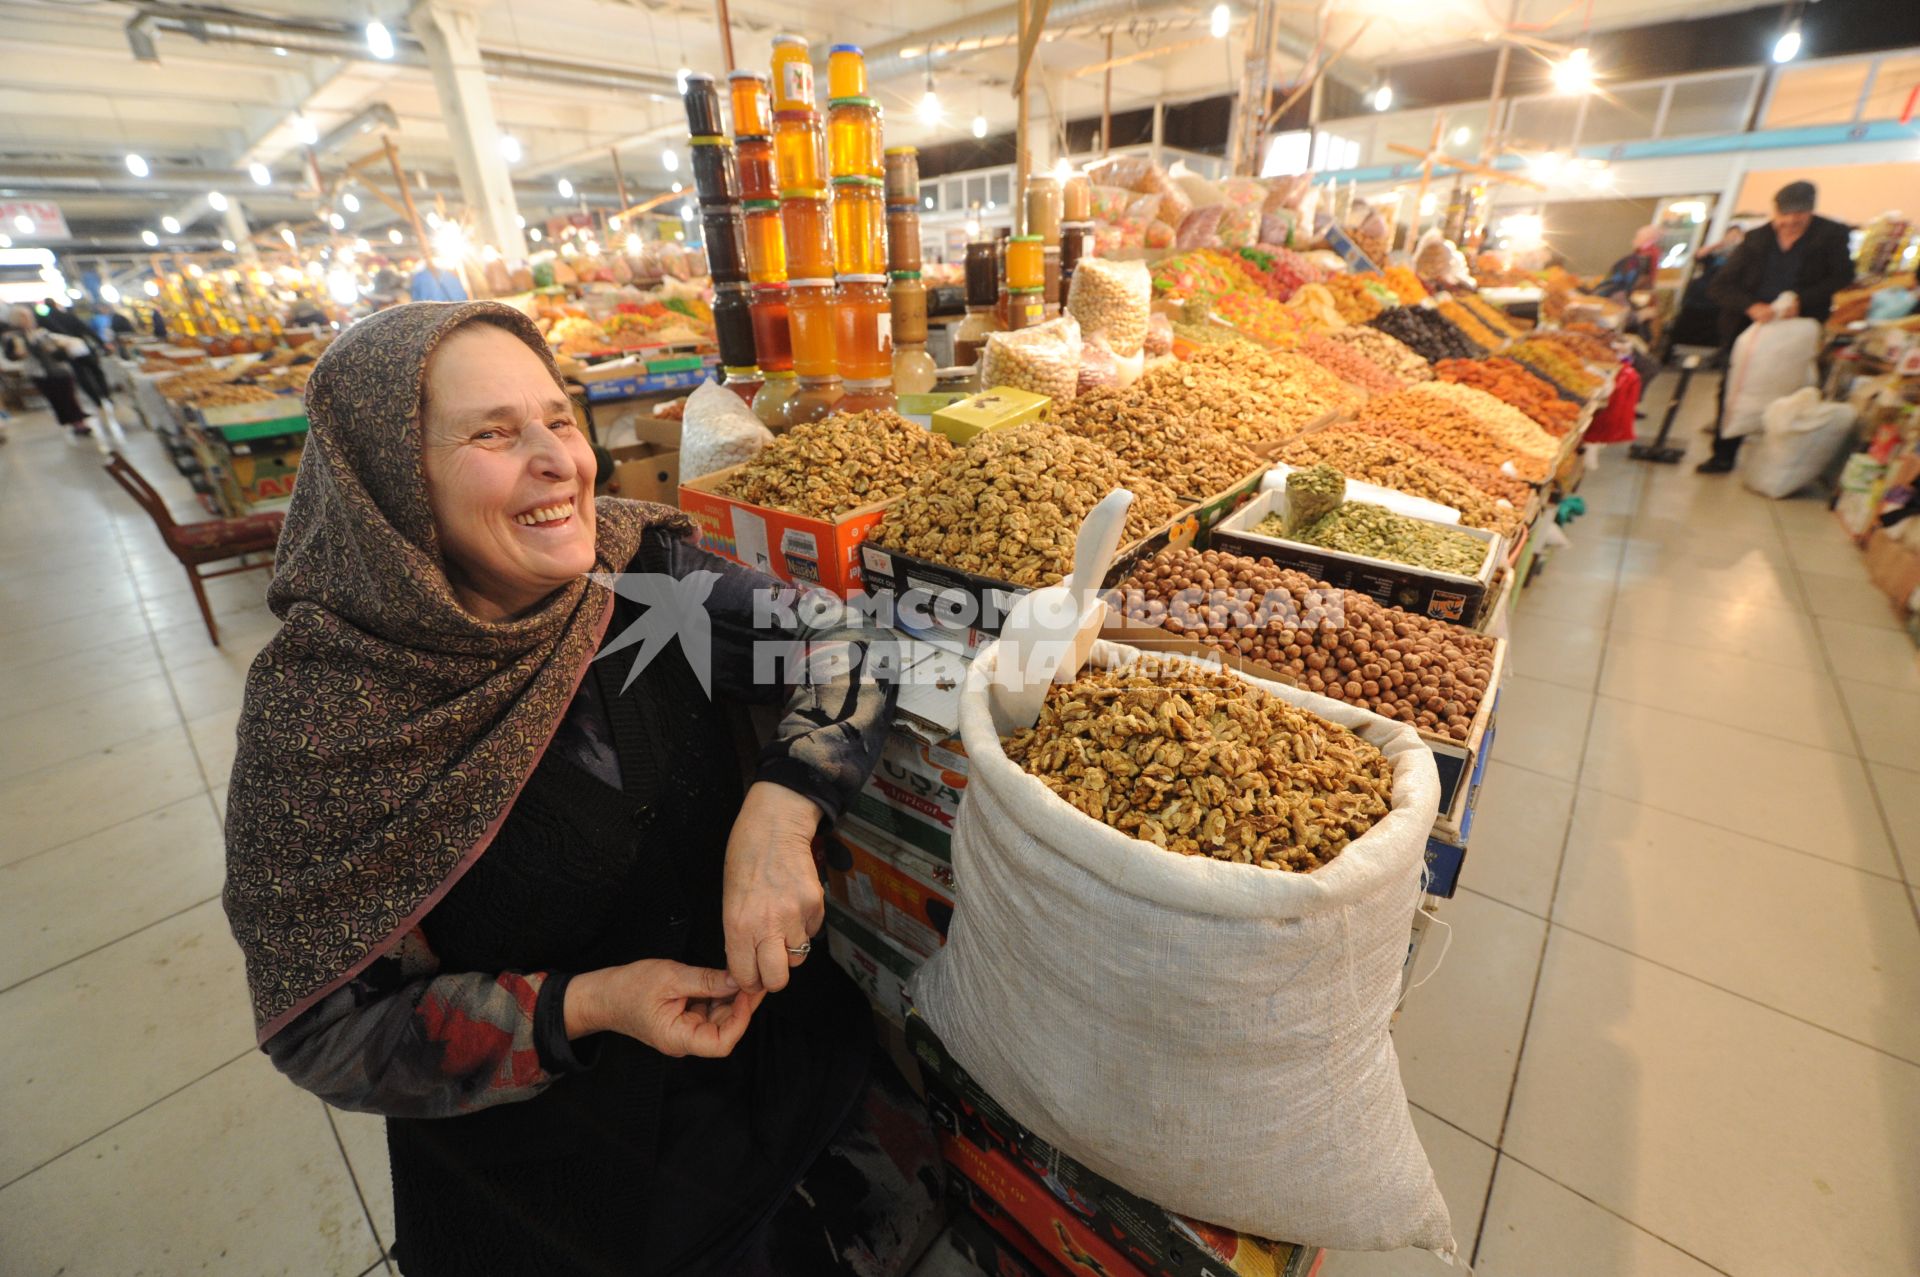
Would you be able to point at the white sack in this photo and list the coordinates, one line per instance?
(1769, 361)
(1800, 438)
(1211, 1036)
(718, 430)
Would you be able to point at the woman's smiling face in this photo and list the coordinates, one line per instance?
(509, 474)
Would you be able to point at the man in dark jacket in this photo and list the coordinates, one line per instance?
(1796, 252)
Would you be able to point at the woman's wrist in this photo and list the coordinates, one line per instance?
(581, 1010)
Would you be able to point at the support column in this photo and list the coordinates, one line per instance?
(1159, 129)
(235, 220)
(450, 32)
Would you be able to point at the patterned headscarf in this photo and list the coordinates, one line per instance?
(386, 730)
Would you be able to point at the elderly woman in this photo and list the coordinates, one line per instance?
(46, 358)
(510, 895)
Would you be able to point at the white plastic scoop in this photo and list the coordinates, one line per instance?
(1050, 631)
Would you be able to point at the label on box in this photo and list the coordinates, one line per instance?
(750, 540)
(913, 796)
(801, 553)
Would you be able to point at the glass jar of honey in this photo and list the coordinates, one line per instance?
(772, 333)
(766, 243)
(752, 104)
(701, 97)
(907, 301)
(810, 318)
(792, 74)
(1026, 262)
(716, 179)
(770, 401)
(1043, 208)
(806, 223)
(863, 341)
(796, 150)
(733, 326)
(814, 398)
(846, 71)
(903, 237)
(869, 396)
(745, 382)
(853, 137)
(754, 158)
(859, 227)
(1025, 308)
(726, 240)
(903, 174)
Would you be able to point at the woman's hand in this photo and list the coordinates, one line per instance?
(673, 1008)
(772, 900)
(1760, 313)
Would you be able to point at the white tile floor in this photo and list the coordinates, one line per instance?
(1675, 1032)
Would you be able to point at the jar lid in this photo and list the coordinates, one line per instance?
(843, 48)
(803, 193)
(901, 276)
(775, 373)
(858, 180)
(810, 283)
(863, 279)
(731, 288)
(903, 209)
(746, 75)
(833, 102)
(740, 370)
(706, 139)
(727, 212)
(1025, 292)
(761, 206)
(777, 288)
(700, 76)
(1026, 239)
(901, 150)
(797, 114)
(792, 41)
(742, 141)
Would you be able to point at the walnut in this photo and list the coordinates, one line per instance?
(828, 468)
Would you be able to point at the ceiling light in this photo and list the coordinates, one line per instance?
(149, 239)
(991, 206)
(450, 242)
(193, 269)
(670, 161)
(228, 245)
(520, 220)
(350, 202)
(379, 40)
(216, 201)
(979, 126)
(1546, 164)
(1787, 47)
(336, 221)
(137, 164)
(1063, 171)
(261, 175)
(678, 187)
(1383, 97)
(680, 79)
(286, 233)
(170, 224)
(928, 109)
(1462, 135)
(510, 148)
(566, 189)
(304, 129)
(633, 243)
(23, 223)
(6, 241)
(109, 294)
(534, 234)
(279, 51)
(928, 201)
(151, 288)
(1574, 75)
(1220, 21)
(686, 212)
(433, 219)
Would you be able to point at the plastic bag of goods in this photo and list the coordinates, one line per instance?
(1237, 227)
(1044, 359)
(718, 430)
(1158, 235)
(1098, 368)
(1770, 361)
(1159, 339)
(1200, 192)
(1244, 192)
(1109, 203)
(1287, 192)
(1281, 228)
(1129, 171)
(1112, 300)
(1198, 230)
(1799, 438)
(1209, 1035)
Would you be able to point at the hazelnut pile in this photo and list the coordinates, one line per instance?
(1152, 436)
(1205, 764)
(828, 468)
(1339, 643)
(1009, 505)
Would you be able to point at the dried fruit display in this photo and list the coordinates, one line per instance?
(1406, 285)
(1204, 763)
(1254, 395)
(1511, 383)
(1491, 315)
(1339, 643)
(1392, 354)
(1453, 428)
(1502, 420)
(1395, 464)
(826, 469)
(1359, 298)
(1349, 364)
(1486, 476)
(1281, 270)
(1580, 341)
(1431, 334)
(1469, 323)
(1556, 363)
(1151, 434)
(1314, 308)
(1010, 503)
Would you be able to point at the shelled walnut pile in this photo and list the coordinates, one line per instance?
(1205, 764)
(1152, 435)
(1255, 395)
(1010, 503)
(828, 468)
(1339, 643)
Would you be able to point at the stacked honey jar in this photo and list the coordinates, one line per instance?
(751, 97)
(914, 371)
(716, 180)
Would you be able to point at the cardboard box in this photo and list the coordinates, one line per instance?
(1209, 511)
(800, 550)
(1444, 596)
(1894, 567)
(995, 1244)
(1000, 408)
(907, 895)
(646, 472)
(879, 966)
(1447, 843)
(1454, 760)
(913, 794)
(1072, 1212)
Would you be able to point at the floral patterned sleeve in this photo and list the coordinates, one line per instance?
(401, 1041)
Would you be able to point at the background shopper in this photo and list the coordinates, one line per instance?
(46, 359)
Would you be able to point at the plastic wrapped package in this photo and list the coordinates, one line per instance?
(1286, 192)
(1044, 359)
(1109, 203)
(1112, 300)
(1244, 192)
(1128, 171)
(1158, 235)
(1145, 208)
(718, 430)
(1098, 368)
(1199, 228)
(1237, 227)
(1159, 340)
(1201, 192)
(1107, 239)
(1281, 229)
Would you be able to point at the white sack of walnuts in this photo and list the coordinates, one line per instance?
(1210, 1036)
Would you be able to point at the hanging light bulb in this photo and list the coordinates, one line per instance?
(306, 130)
(520, 220)
(927, 111)
(109, 294)
(137, 164)
(227, 245)
(1574, 75)
(350, 202)
(566, 189)
(260, 174)
(1220, 21)
(510, 150)
(286, 233)
(170, 224)
(336, 221)
(534, 235)
(979, 126)
(149, 239)
(1462, 135)
(1787, 47)
(216, 201)
(1383, 97)
(379, 40)
(151, 288)
(670, 160)
(678, 187)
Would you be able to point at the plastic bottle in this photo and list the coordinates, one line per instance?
(770, 403)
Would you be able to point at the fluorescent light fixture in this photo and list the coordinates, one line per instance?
(1574, 75)
(228, 245)
(149, 239)
(151, 288)
(217, 202)
(286, 233)
(394, 235)
(534, 234)
(379, 40)
(260, 173)
(979, 126)
(566, 189)
(510, 149)
(304, 129)
(336, 221)
(170, 224)
(137, 164)
(1220, 21)
(1462, 135)
(928, 109)
(1383, 97)
(670, 160)
(1787, 47)
(109, 294)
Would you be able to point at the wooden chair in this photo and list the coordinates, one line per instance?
(205, 541)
